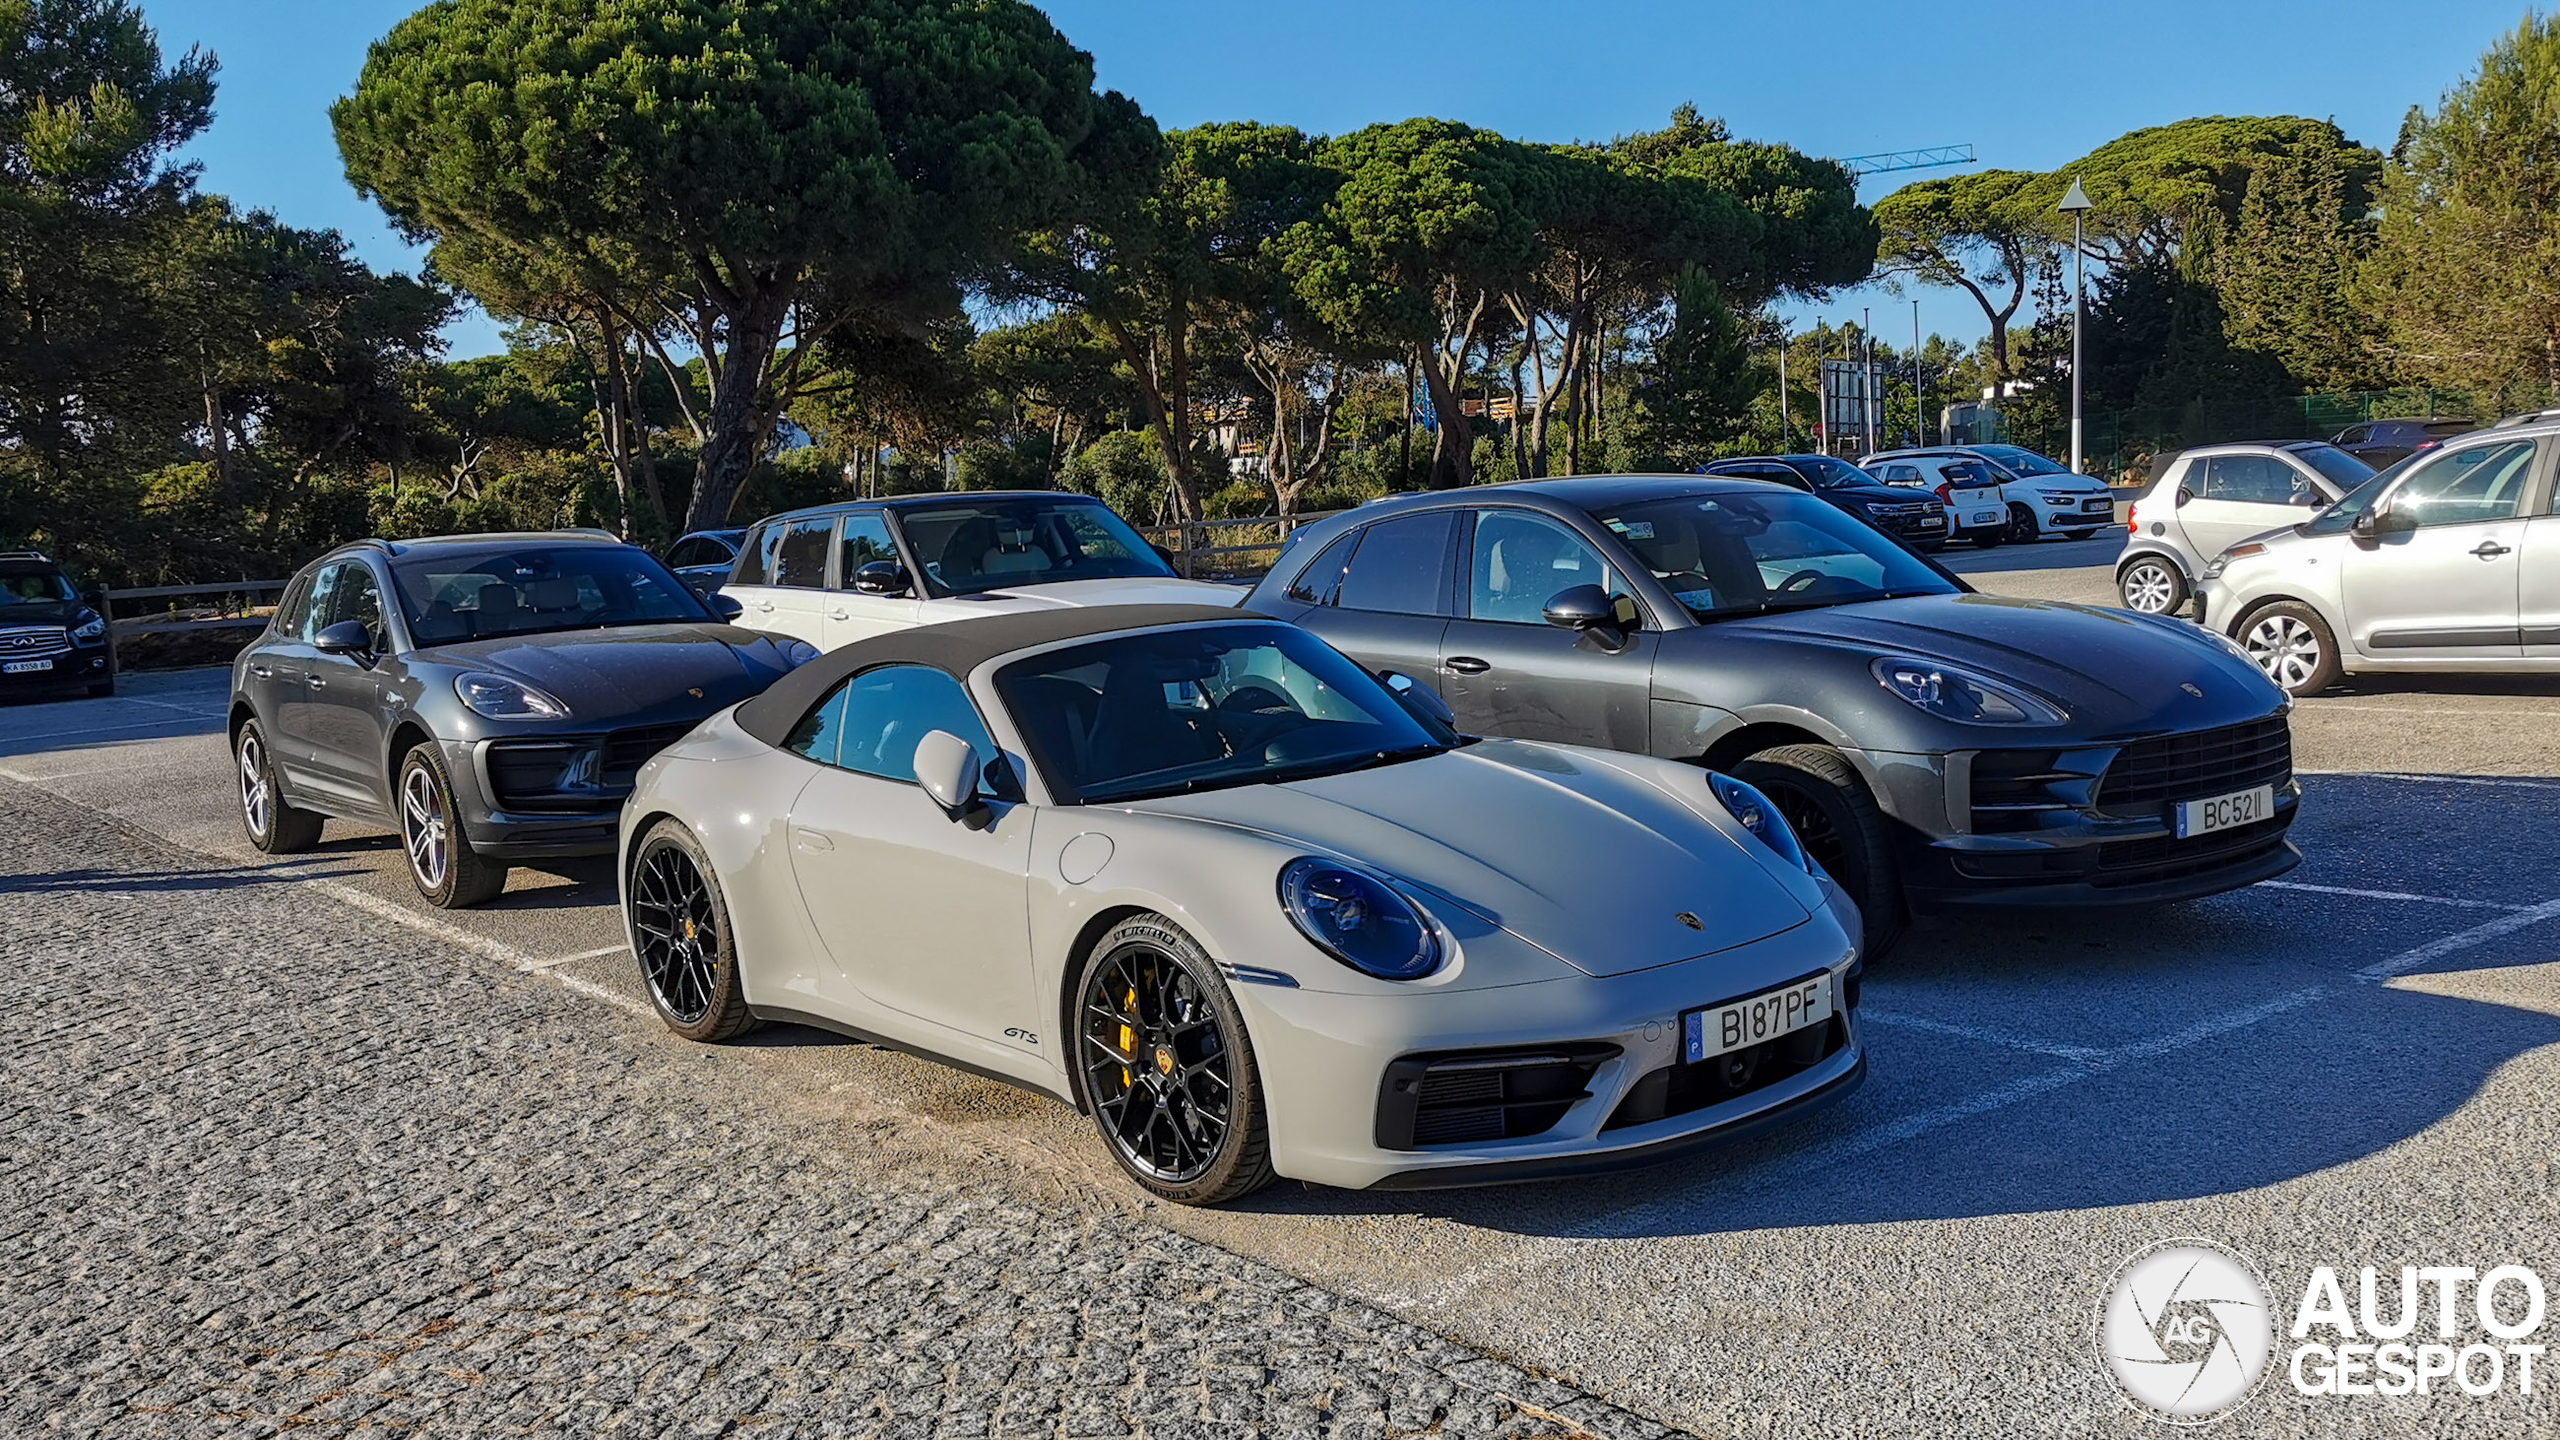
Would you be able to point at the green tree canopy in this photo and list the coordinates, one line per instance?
(2468, 266)
(1980, 233)
(742, 177)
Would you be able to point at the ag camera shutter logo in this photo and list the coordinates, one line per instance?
(2185, 1330)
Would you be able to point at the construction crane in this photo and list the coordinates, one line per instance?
(1931, 159)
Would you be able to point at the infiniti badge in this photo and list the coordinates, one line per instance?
(2190, 687)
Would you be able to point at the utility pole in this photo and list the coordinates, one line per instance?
(1867, 372)
(1919, 394)
(1786, 430)
(2075, 203)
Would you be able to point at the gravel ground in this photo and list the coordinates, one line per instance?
(269, 1167)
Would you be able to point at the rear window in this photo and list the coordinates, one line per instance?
(2447, 429)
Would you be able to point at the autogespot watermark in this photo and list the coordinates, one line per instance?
(2187, 1329)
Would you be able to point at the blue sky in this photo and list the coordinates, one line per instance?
(2028, 85)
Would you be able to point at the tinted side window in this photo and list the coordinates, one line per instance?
(1315, 584)
(2354, 435)
(2248, 480)
(800, 554)
(888, 710)
(693, 552)
(1401, 567)
(866, 538)
(1522, 561)
(756, 558)
(295, 608)
(358, 597)
(815, 735)
(324, 591)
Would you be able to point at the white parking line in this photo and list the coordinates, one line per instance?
(2390, 895)
(2498, 780)
(598, 953)
(2408, 960)
(1895, 1019)
(498, 950)
(82, 730)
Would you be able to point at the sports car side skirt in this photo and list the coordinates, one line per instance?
(786, 1016)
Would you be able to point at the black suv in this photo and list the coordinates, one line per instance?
(1916, 520)
(51, 638)
(490, 697)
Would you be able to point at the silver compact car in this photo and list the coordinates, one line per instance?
(1253, 910)
(2203, 501)
(2448, 562)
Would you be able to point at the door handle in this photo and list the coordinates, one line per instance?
(811, 840)
(2490, 550)
(1467, 665)
(839, 614)
(262, 671)
(765, 605)
(315, 682)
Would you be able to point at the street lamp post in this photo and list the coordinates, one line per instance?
(2075, 203)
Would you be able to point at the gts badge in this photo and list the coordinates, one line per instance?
(1025, 1036)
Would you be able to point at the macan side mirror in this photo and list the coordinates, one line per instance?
(347, 637)
(881, 577)
(947, 768)
(1423, 701)
(1580, 608)
(724, 606)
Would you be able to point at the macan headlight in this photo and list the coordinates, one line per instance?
(1357, 919)
(500, 698)
(1952, 692)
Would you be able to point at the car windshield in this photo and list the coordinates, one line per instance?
(1726, 555)
(1204, 708)
(2335, 465)
(1831, 474)
(2018, 460)
(33, 585)
(969, 546)
(464, 594)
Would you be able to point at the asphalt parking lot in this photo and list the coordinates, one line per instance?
(2351, 1066)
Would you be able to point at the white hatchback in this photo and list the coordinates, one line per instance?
(835, 574)
(2042, 497)
(1964, 486)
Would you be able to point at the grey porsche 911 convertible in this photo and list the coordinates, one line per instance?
(1935, 747)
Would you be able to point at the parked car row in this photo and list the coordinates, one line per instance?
(52, 638)
(1516, 831)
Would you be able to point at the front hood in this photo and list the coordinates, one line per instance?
(1078, 594)
(621, 673)
(2117, 674)
(1567, 851)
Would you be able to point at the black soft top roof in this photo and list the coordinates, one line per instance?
(956, 648)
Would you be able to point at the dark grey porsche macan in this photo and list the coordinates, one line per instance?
(1935, 747)
(490, 697)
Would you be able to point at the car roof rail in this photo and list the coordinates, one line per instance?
(26, 555)
(589, 532)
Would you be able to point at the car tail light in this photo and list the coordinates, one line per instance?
(1946, 493)
(2133, 519)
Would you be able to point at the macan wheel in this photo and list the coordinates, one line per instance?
(275, 827)
(442, 864)
(1164, 1065)
(2152, 585)
(680, 935)
(2293, 645)
(1840, 825)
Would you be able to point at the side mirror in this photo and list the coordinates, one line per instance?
(1171, 560)
(725, 606)
(2185, 495)
(1580, 608)
(948, 770)
(347, 637)
(1421, 700)
(881, 577)
(95, 597)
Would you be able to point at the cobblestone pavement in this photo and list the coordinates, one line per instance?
(267, 1165)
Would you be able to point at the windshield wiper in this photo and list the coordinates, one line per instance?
(1346, 764)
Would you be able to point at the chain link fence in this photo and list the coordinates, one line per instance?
(2121, 444)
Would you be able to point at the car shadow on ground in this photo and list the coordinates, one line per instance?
(2532, 687)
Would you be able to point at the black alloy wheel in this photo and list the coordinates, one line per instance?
(2022, 525)
(681, 936)
(1166, 1069)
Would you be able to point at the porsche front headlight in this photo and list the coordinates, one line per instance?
(1357, 919)
(1952, 692)
(500, 698)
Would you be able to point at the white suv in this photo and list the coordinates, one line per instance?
(1966, 488)
(835, 574)
(2042, 497)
